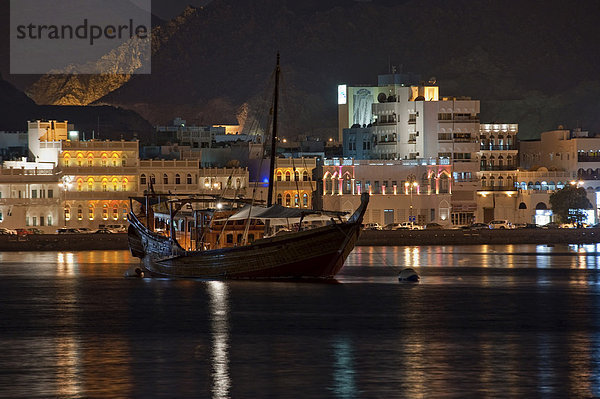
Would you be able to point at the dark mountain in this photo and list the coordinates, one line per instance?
(531, 63)
(114, 123)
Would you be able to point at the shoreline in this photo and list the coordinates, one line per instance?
(118, 241)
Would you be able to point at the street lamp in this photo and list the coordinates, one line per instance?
(411, 184)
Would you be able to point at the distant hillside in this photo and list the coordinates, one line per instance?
(532, 64)
(115, 123)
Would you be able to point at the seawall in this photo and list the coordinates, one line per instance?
(83, 242)
(465, 237)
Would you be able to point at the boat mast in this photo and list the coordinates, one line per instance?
(274, 135)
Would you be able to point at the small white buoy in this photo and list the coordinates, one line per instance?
(137, 272)
(408, 275)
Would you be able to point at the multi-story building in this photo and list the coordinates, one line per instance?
(193, 136)
(98, 177)
(30, 196)
(411, 122)
(498, 162)
(187, 177)
(401, 191)
(293, 184)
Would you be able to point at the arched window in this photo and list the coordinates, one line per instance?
(90, 160)
(189, 179)
(79, 184)
(90, 184)
(125, 212)
(229, 238)
(104, 184)
(67, 212)
(66, 159)
(287, 176)
(115, 159)
(91, 212)
(296, 200)
(288, 200)
(444, 184)
(79, 213)
(105, 212)
(305, 200)
(124, 184)
(104, 159)
(115, 184)
(152, 179)
(165, 178)
(143, 179)
(124, 160)
(206, 182)
(177, 178)
(296, 175)
(278, 175)
(238, 183)
(305, 176)
(279, 199)
(79, 159)
(115, 213)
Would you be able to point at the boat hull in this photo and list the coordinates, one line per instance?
(316, 253)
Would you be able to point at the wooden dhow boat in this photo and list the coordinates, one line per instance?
(319, 252)
(312, 253)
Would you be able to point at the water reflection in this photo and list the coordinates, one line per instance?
(219, 311)
(344, 385)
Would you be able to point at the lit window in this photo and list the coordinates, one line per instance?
(91, 212)
(115, 213)
(79, 213)
(90, 185)
(104, 212)
(67, 213)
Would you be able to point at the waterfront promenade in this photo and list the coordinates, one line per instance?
(81, 242)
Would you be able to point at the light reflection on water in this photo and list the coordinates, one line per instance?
(489, 320)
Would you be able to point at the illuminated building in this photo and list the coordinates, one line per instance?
(293, 183)
(401, 191)
(498, 161)
(411, 121)
(98, 179)
(186, 176)
(574, 153)
(30, 196)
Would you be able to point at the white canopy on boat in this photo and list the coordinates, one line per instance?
(278, 214)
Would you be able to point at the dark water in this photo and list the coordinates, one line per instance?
(485, 321)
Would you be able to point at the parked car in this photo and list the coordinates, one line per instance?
(22, 232)
(526, 226)
(66, 230)
(33, 230)
(500, 224)
(84, 230)
(479, 226)
(103, 230)
(551, 225)
(433, 226)
(372, 226)
(393, 226)
(119, 228)
(7, 232)
(411, 226)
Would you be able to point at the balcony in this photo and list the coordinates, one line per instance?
(499, 148)
(498, 188)
(486, 168)
(100, 170)
(587, 158)
(98, 195)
